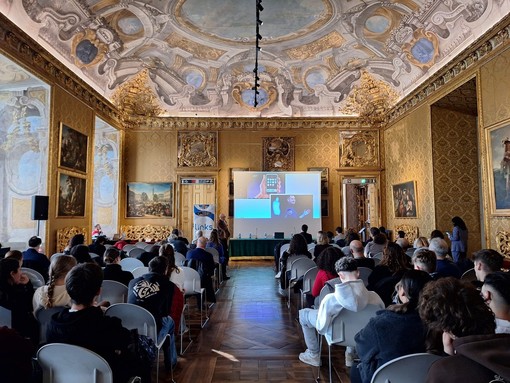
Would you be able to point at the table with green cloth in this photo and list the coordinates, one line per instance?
(253, 247)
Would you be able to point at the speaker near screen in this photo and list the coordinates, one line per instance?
(40, 207)
(271, 202)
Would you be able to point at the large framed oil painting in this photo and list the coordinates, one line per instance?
(404, 200)
(498, 151)
(150, 200)
(71, 196)
(73, 149)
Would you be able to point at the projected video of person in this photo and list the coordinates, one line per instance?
(291, 206)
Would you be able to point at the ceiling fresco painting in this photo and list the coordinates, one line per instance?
(196, 57)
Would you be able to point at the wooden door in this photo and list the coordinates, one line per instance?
(191, 194)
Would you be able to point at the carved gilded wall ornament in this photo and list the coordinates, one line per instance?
(87, 49)
(371, 99)
(277, 153)
(423, 50)
(359, 149)
(146, 233)
(197, 149)
(411, 232)
(137, 97)
(503, 243)
(65, 234)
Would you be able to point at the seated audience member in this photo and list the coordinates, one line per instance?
(15, 357)
(35, 260)
(96, 233)
(179, 245)
(375, 246)
(214, 242)
(54, 294)
(351, 295)
(486, 261)
(148, 255)
(402, 240)
(394, 332)
(180, 237)
(207, 270)
(154, 292)
(436, 234)
(297, 246)
(306, 234)
(77, 239)
(85, 325)
(15, 254)
(444, 267)
(496, 293)
(322, 244)
(351, 236)
(420, 242)
(456, 308)
(113, 270)
(425, 260)
(356, 248)
(16, 294)
(81, 253)
(383, 230)
(174, 272)
(386, 274)
(373, 231)
(193, 244)
(98, 247)
(330, 236)
(339, 236)
(326, 264)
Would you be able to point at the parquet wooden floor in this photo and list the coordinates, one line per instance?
(251, 335)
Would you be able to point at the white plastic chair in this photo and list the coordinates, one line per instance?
(140, 245)
(298, 268)
(311, 246)
(133, 253)
(469, 275)
(376, 261)
(378, 255)
(405, 369)
(308, 280)
(345, 326)
(35, 277)
(113, 292)
(129, 264)
(179, 259)
(217, 268)
(139, 271)
(63, 363)
(134, 316)
(364, 273)
(127, 248)
(43, 316)
(5, 317)
(284, 248)
(193, 287)
(328, 288)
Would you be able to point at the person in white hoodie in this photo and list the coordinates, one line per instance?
(351, 295)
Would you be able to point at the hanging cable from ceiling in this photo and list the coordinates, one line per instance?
(258, 38)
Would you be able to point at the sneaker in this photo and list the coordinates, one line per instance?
(278, 274)
(310, 358)
(350, 356)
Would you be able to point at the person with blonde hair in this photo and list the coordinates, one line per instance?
(420, 242)
(54, 293)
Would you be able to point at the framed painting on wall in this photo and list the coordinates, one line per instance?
(71, 196)
(498, 151)
(73, 149)
(404, 200)
(150, 200)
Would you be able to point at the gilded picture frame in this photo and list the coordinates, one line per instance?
(404, 200)
(277, 154)
(150, 200)
(73, 149)
(72, 192)
(498, 153)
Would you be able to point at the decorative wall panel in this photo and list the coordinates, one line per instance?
(495, 89)
(408, 149)
(455, 167)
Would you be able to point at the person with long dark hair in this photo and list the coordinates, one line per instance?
(297, 246)
(393, 332)
(458, 239)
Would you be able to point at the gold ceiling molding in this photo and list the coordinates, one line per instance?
(141, 123)
(371, 99)
(306, 51)
(22, 49)
(200, 51)
(479, 52)
(136, 97)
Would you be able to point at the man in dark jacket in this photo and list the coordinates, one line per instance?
(35, 260)
(154, 291)
(85, 325)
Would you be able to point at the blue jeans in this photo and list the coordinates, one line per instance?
(168, 327)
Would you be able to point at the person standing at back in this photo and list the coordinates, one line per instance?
(458, 238)
(306, 234)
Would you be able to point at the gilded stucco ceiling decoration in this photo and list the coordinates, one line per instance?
(371, 99)
(136, 97)
(191, 49)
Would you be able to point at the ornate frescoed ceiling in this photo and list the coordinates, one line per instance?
(319, 58)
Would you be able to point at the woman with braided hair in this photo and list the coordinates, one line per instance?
(54, 293)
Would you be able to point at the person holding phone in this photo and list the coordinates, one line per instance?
(458, 239)
(270, 184)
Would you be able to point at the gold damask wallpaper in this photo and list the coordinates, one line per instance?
(455, 167)
(408, 149)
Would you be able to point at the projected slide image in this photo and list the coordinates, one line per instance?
(261, 186)
(291, 206)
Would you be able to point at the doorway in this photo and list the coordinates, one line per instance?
(192, 191)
